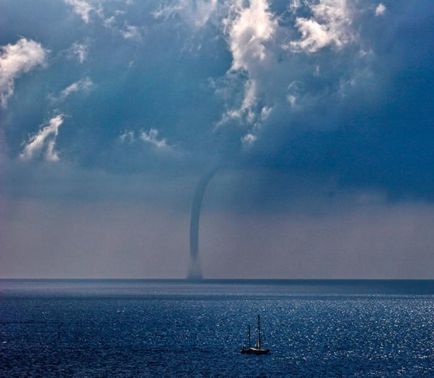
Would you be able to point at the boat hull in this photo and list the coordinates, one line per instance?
(254, 351)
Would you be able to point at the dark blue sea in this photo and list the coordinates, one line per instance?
(182, 329)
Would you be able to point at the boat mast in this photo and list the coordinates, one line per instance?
(259, 332)
(248, 332)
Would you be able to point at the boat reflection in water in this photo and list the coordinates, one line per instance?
(257, 349)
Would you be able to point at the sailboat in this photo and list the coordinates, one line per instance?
(257, 349)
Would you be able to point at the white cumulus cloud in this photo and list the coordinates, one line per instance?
(251, 29)
(80, 51)
(249, 33)
(127, 136)
(83, 8)
(248, 139)
(80, 85)
(329, 25)
(16, 59)
(380, 9)
(131, 32)
(95, 10)
(195, 13)
(151, 137)
(43, 143)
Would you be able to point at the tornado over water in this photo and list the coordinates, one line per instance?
(195, 272)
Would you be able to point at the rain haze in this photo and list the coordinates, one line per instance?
(312, 118)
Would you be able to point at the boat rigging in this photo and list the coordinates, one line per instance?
(257, 349)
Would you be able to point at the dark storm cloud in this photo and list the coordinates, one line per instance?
(371, 93)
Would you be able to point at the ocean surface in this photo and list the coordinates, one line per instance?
(185, 329)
